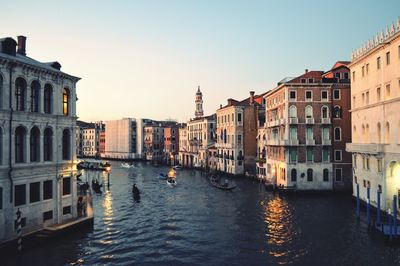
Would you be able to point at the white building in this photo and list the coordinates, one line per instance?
(121, 139)
(375, 96)
(91, 139)
(37, 141)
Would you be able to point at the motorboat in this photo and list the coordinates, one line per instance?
(171, 182)
(94, 165)
(177, 167)
(127, 165)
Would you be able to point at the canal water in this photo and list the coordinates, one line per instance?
(197, 224)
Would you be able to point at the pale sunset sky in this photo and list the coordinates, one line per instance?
(146, 58)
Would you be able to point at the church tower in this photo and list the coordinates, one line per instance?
(199, 103)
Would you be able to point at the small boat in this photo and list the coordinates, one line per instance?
(225, 186)
(96, 186)
(162, 176)
(127, 165)
(177, 167)
(94, 165)
(136, 193)
(171, 182)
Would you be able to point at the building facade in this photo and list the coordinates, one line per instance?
(154, 142)
(375, 101)
(302, 114)
(91, 139)
(121, 139)
(237, 135)
(171, 144)
(37, 141)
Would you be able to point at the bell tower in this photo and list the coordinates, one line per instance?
(199, 103)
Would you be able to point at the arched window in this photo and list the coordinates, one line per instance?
(379, 131)
(66, 100)
(224, 135)
(292, 111)
(338, 133)
(354, 134)
(293, 175)
(337, 112)
(48, 144)
(367, 133)
(20, 91)
(326, 175)
(363, 133)
(387, 133)
(66, 145)
(309, 174)
(309, 111)
(48, 103)
(19, 143)
(35, 92)
(35, 145)
(325, 112)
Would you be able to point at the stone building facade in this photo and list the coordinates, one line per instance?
(37, 141)
(375, 103)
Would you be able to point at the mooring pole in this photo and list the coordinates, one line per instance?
(19, 231)
(358, 201)
(378, 218)
(368, 207)
(395, 215)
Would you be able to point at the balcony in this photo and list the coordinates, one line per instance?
(293, 120)
(370, 148)
(310, 142)
(326, 142)
(310, 120)
(291, 142)
(325, 120)
(276, 122)
(274, 142)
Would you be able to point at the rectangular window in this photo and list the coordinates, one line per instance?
(292, 95)
(47, 215)
(308, 95)
(387, 96)
(354, 76)
(309, 133)
(366, 69)
(338, 175)
(310, 155)
(388, 58)
(303, 80)
(66, 186)
(325, 155)
(336, 94)
(311, 80)
(324, 95)
(367, 163)
(338, 155)
(239, 139)
(239, 118)
(66, 210)
(379, 164)
(367, 97)
(293, 156)
(20, 195)
(362, 71)
(34, 192)
(378, 63)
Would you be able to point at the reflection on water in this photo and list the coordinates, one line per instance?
(196, 224)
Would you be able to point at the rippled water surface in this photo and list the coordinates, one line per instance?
(197, 224)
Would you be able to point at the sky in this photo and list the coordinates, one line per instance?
(146, 58)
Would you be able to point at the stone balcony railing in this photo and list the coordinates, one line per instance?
(325, 120)
(293, 120)
(309, 120)
(370, 148)
(291, 142)
(326, 142)
(310, 142)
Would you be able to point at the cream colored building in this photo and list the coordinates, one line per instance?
(37, 141)
(375, 96)
(121, 139)
(237, 135)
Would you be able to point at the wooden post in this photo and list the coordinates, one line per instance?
(358, 202)
(19, 231)
(378, 222)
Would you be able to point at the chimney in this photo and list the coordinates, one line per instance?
(21, 45)
(251, 101)
(220, 106)
(230, 101)
(306, 70)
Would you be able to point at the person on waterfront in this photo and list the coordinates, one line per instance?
(80, 206)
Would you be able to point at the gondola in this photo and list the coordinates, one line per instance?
(224, 186)
(171, 182)
(162, 176)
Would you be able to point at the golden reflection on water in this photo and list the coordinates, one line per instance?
(279, 223)
(108, 216)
